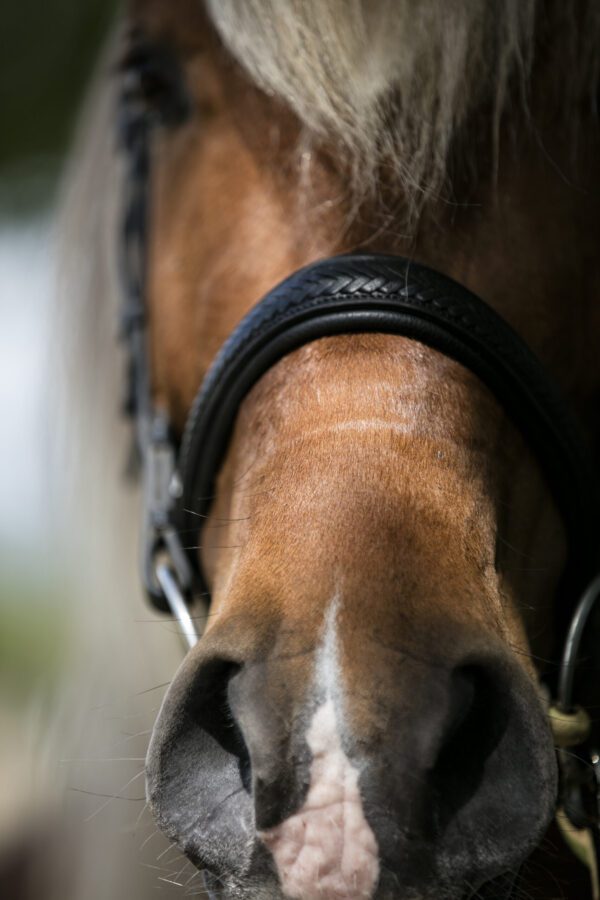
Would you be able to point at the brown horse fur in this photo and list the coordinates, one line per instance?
(370, 467)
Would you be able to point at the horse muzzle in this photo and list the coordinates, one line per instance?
(271, 785)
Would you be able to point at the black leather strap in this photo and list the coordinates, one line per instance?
(387, 294)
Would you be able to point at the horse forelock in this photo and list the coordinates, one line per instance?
(393, 82)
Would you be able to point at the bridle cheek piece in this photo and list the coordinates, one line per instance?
(350, 294)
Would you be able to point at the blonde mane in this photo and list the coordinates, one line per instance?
(393, 82)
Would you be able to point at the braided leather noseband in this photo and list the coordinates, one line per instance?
(387, 294)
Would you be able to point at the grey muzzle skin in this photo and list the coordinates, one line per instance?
(458, 792)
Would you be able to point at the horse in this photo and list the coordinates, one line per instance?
(364, 716)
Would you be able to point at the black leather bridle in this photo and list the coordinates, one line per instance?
(355, 293)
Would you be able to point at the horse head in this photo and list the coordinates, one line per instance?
(362, 717)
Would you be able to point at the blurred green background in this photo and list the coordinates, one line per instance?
(47, 55)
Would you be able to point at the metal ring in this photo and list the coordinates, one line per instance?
(176, 600)
(572, 643)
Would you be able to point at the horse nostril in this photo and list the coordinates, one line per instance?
(198, 766)
(478, 719)
(493, 782)
(211, 711)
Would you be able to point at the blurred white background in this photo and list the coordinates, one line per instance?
(26, 286)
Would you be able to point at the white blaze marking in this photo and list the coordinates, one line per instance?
(327, 850)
